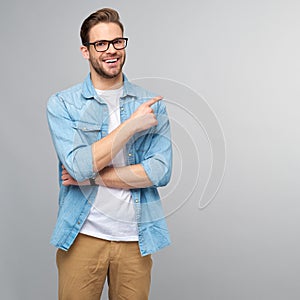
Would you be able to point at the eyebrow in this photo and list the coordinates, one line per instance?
(109, 40)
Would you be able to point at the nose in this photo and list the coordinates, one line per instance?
(111, 48)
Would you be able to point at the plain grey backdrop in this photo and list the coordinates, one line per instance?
(242, 57)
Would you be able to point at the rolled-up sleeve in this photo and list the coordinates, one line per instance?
(157, 160)
(73, 152)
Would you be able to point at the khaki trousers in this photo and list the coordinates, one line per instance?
(83, 269)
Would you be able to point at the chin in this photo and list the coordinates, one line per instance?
(112, 75)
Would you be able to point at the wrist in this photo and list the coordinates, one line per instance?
(92, 181)
(129, 127)
(98, 180)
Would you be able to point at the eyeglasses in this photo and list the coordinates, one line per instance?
(103, 45)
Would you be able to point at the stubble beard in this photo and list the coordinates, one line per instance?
(102, 73)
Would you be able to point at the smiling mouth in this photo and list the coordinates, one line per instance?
(111, 61)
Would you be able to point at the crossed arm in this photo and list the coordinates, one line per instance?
(104, 150)
(128, 177)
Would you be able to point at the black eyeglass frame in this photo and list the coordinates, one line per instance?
(109, 42)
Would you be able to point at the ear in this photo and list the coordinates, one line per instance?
(85, 52)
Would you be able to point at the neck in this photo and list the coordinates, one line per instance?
(101, 83)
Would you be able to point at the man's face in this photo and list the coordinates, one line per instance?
(107, 64)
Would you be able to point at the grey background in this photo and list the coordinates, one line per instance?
(243, 58)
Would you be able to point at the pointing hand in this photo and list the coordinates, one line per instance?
(143, 118)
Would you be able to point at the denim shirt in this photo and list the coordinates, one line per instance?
(77, 118)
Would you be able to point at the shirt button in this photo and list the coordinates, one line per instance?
(136, 200)
(78, 222)
(129, 154)
(122, 108)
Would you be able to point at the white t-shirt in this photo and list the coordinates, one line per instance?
(112, 216)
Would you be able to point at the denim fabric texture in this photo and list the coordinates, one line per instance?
(77, 118)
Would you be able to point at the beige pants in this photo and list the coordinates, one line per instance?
(83, 269)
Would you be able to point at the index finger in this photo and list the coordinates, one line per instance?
(153, 100)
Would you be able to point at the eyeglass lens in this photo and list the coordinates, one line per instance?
(104, 45)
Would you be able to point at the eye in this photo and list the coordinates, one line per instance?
(101, 44)
(118, 42)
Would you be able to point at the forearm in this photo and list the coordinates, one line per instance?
(128, 177)
(106, 149)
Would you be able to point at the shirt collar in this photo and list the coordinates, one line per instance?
(88, 90)
(129, 89)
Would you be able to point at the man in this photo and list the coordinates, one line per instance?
(112, 139)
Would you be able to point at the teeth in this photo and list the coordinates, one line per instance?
(111, 60)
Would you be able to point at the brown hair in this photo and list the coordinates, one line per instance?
(105, 15)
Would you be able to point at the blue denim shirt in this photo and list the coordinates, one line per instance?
(77, 118)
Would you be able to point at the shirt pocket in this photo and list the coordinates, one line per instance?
(86, 133)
